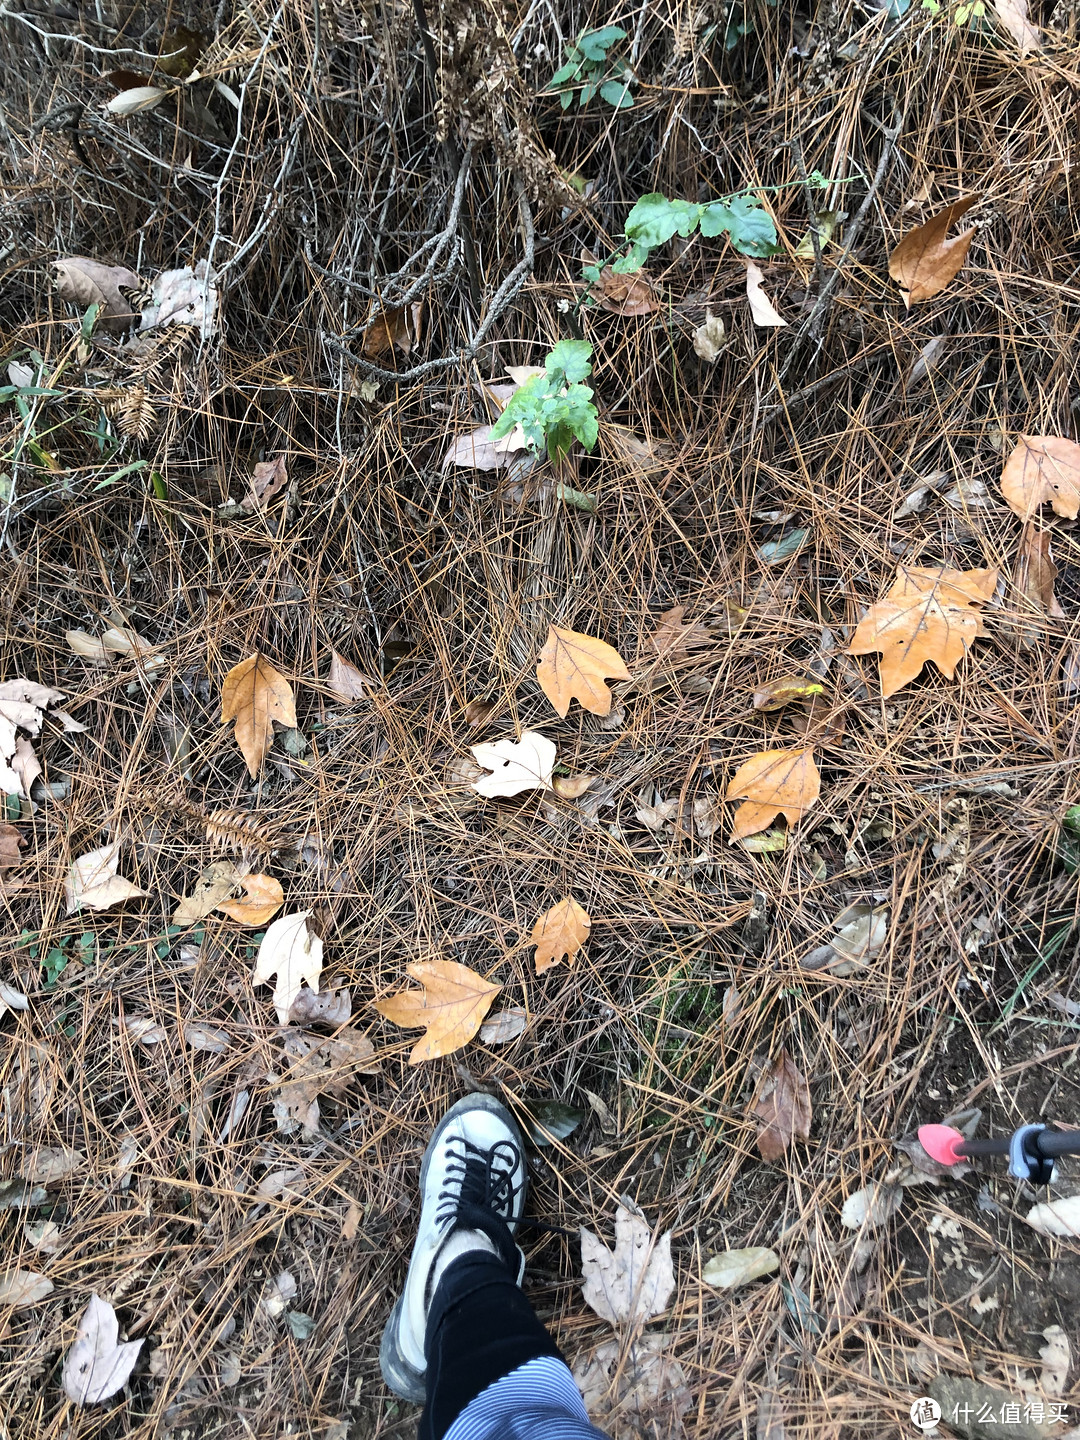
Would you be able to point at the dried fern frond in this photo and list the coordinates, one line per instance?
(133, 413)
(240, 832)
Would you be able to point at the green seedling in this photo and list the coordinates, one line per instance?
(588, 70)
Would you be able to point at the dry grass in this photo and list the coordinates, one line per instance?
(442, 583)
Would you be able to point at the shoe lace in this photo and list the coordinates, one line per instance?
(478, 1179)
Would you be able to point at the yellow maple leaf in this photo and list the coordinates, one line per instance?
(451, 1007)
(772, 783)
(255, 695)
(560, 931)
(574, 666)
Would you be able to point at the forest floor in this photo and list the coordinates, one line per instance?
(146, 1154)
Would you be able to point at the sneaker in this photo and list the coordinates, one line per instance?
(472, 1195)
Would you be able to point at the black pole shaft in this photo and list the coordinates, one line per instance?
(1048, 1142)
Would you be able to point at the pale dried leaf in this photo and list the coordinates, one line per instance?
(571, 787)
(1043, 468)
(525, 764)
(632, 1283)
(86, 646)
(732, 1268)
(183, 297)
(293, 954)
(43, 1235)
(145, 1030)
(634, 1388)
(476, 450)
(1013, 17)
(23, 1288)
(278, 1294)
(346, 682)
(93, 880)
(874, 1205)
(329, 1007)
(268, 479)
(84, 282)
(710, 338)
(1056, 1356)
(12, 999)
(98, 1364)
(762, 309)
(139, 97)
(206, 1037)
(1056, 1217)
(52, 1163)
(25, 764)
(504, 1026)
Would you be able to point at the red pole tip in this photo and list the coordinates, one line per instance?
(940, 1143)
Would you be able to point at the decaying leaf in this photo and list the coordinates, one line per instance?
(216, 883)
(571, 787)
(634, 1388)
(762, 309)
(451, 1007)
(268, 479)
(574, 666)
(326, 1007)
(346, 682)
(861, 931)
(318, 1066)
(278, 1294)
(139, 97)
(12, 999)
(293, 954)
(93, 880)
(85, 282)
(781, 1106)
(927, 615)
(631, 1284)
(206, 1037)
(873, 1206)
(98, 1363)
(560, 931)
(786, 691)
(516, 765)
(505, 1026)
(49, 1164)
(732, 1268)
(43, 1235)
(674, 637)
(255, 695)
(925, 261)
(263, 897)
(1056, 1356)
(1056, 1217)
(395, 328)
(23, 1288)
(1013, 16)
(772, 783)
(476, 450)
(630, 294)
(710, 338)
(1034, 577)
(22, 707)
(1043, 468)
(12, 844)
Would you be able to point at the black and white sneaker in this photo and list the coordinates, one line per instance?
(472, 1195)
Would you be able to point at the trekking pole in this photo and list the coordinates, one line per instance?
(1031, 1150)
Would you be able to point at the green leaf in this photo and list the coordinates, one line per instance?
(301, 1325)
(1072, 820)
(119, 474)
(565, 73)
(616, 93)
(566, 99)
(655, 219)
(596, 43)
(587, 92)
(633, 260)
(571, 358)
(157, 480)
(591, 273)
(775, 551)
(750, 226)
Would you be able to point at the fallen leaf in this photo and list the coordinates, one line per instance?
(263, 897)
(1034, 577)
(1056, 1356)
(43, 1235)
(476, 450)
(827, 222)
(350, 1228)
(781, 1106)
(925, 261)
(278, 1294)
(22, 706)
(1013, 17)
(291, 952)
(85, 282)
(504, 1026)
(710, 338)
(451, 1007)
(762, 309)
(396, 328)
(318, 1066)
(572, 666)
(524, 764)
(873, 1206)
(206, 1037)
(187, 296)
(50, 1164)
(632, 1283)
(25, 765)
(22, 1288)
(255, 695)
(571, 787)
(11, 846)
(345, 681)
(1056, 1217)
(12, 999)
(549, 1120)
(738, 1267)
(145, 1030)
(927, 615)
(276, 1183)
(673, 636)
(772, 783)
(1042, 468)
(268, 479)
(477, 712)
(786, 691)
(560, 931)
(97, 1365)
(630, 294)
(327, 1007)
(634, 1388)
(967, 494)
(216, 883)
(93, 880)
(860, 938)
(16, 1194)
(139, 97)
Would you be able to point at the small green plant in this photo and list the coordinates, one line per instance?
(554, 409)
(589, 70)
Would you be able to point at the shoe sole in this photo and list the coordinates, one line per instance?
(399, 1375)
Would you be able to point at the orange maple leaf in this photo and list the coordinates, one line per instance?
(573, 666)
(451, 1007)
(560, 931)
(775, 782)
